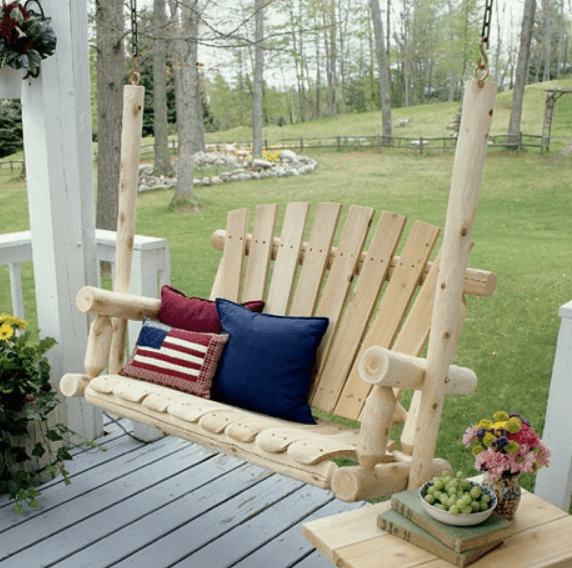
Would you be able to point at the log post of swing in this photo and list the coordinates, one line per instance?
(476, 120)
(133, 97)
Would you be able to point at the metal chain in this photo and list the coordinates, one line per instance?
(481, 71)
(135, 71)
(487, 21)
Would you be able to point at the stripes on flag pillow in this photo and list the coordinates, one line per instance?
(176, 358)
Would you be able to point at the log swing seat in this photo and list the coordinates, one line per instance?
(383, 309)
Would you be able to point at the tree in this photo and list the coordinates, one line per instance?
(521, 73)
(258, 80)
(10, 127)
(186, 90)
(163, 164)
(110, 82)
(384, 84)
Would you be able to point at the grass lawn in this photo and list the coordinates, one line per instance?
(522, 232)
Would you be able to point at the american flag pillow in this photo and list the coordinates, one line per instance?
(176, 358)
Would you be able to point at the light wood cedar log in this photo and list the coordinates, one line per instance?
(74, 384)
(380, 366)
(355, 483)
(96, 357)
(115, 304)
(478, 105)
(133, 97)
(477, 282)
(376, 426)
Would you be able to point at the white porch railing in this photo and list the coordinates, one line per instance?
(554, 483)
(150, 270)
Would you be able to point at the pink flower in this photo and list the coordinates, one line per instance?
(494, 463)
(523, 461)
(469, 436)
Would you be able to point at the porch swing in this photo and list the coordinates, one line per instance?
(380, 310)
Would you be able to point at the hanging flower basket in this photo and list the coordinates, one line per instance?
(26, 37)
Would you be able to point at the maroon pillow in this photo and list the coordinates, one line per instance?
(193, 314)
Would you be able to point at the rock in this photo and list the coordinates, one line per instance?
(288, 155)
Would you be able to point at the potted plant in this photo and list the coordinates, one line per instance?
(26, 37)
(31, 449)
(504, 448)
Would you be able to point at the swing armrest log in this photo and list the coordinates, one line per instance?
(116, 304)
(386, 368)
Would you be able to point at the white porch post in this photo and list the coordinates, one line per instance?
(554, 483)
(56, 114)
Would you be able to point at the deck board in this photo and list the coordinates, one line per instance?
(168, 503)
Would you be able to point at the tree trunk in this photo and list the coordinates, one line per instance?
(163, 166)
(110, 82)
(185, 92)
(521, 72)
(258, 80)
(384, 85)
(547, 38)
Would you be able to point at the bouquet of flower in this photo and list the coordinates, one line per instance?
(505, 445)
(25, 38)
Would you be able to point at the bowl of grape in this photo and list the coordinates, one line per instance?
(456, 500)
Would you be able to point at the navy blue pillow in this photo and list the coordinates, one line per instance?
(267, 363)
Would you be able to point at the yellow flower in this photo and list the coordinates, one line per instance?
(13, 321)
(6, 331)
(513, 425)
(272, 156)
(488, 439)
(501, 416)
(485, 423)
(477, 450)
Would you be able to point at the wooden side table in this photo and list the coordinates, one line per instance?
(542, 539)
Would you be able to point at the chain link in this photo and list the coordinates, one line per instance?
(135, 72)
(485, 32)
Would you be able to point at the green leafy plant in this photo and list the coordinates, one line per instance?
(26, 403)
(25, 37)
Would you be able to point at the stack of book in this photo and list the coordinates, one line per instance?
(459, 545)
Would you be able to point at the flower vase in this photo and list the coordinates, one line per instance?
(10, 83)
(508, 491)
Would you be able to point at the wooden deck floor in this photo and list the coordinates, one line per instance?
(168, 503)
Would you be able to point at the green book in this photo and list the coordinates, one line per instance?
(494, 529)
(397, 525)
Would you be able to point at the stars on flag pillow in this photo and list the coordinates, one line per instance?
(176, 358)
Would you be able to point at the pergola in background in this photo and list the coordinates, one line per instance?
(56, 115)
(552, 95)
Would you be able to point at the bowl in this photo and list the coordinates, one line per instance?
(460, 519)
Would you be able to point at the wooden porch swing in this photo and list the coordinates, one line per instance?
(382, 310)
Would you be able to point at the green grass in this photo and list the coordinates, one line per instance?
(522, 232)
(425, 120)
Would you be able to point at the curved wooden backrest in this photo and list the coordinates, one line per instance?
(371, 296)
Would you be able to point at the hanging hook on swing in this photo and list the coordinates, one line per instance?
(481, 71)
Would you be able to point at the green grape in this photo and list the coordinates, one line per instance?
(484, 506)
(485, 498)
(454, 509)
(430, 499)
(438, 484)
(475, 492)
(476, 506)
(467, 510)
